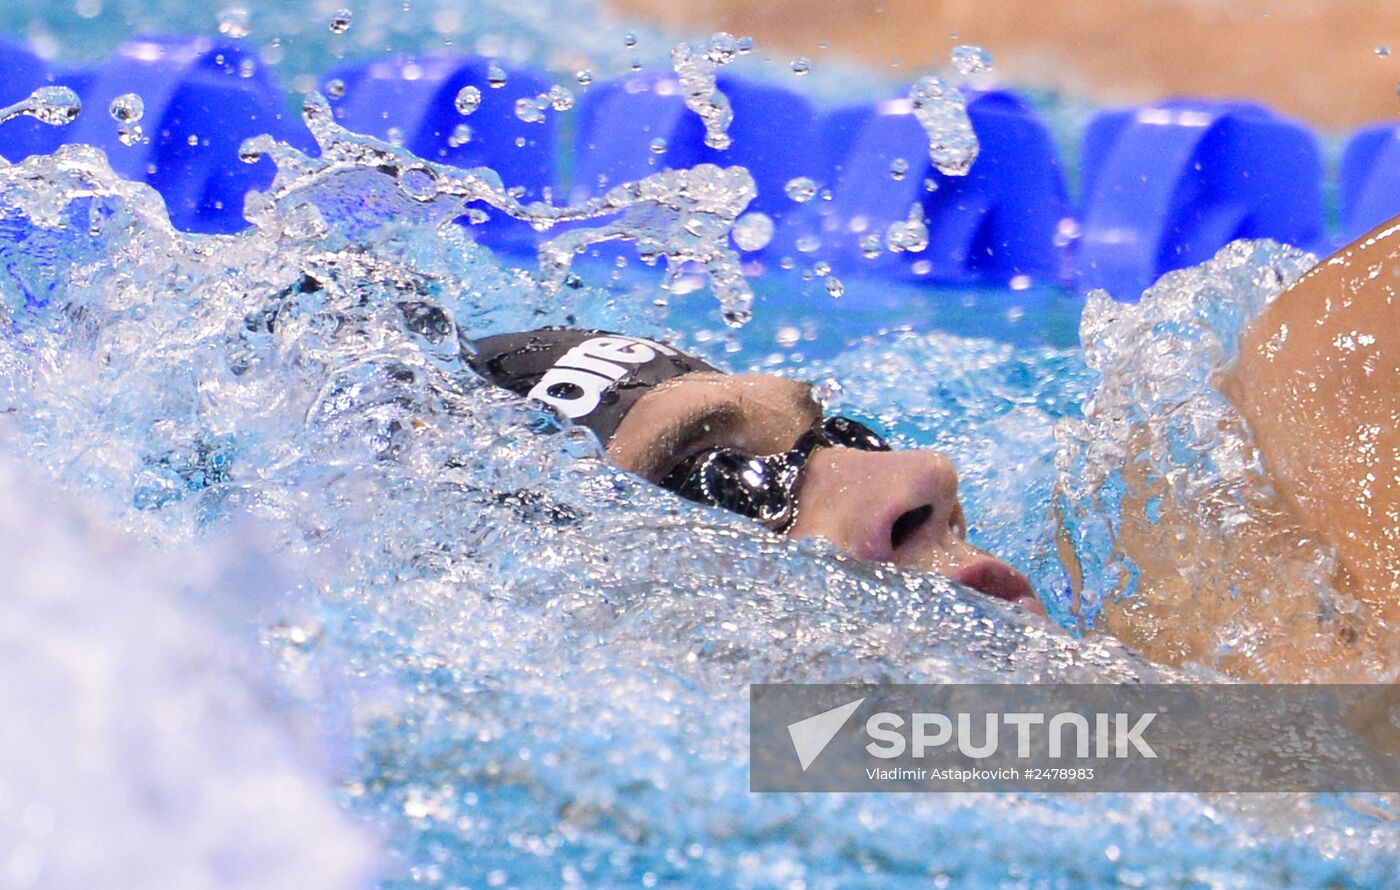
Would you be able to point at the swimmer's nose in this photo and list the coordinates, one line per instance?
(900, 507)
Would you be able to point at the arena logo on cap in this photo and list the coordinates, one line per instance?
(576, 383)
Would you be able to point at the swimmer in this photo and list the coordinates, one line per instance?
(756, 445)
(1317, 383)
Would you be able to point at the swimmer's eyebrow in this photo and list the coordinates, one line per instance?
(713, 422)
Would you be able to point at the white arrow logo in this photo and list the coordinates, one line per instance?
(811, 736)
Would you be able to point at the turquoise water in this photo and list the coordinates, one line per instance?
(330, 613)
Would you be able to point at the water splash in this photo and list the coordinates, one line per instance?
(57, 106)
(696, 71)
(682, 216)
(942, 112)
(1165, 501)
(518, 638)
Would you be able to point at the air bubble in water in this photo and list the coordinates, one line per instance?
(630, 40)
(753, 231)
(335, 88)
(658, 146)
(971, 60)
(461, 135)
(419, 183)
(340, 21)
(468, 99)
(394, 136)
(801, 66)
(192, 140)
(584, 78)
(834, 286)
(801, 189)
(247, 68)
(1382, 51)
(898, 167)
(744, 45)
(870, 246)
(496, 76)
(233, 22)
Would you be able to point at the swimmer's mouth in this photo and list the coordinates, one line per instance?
(997, 579)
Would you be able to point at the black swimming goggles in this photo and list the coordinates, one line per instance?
(762, 487)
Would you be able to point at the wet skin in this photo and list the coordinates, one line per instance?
(898, 507)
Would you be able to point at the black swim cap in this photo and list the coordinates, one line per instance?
(591, 377)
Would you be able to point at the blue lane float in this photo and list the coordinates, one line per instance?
(1167, 185)
(1002, 223)
(1164, 186)
(1369, 180)
(201, 100)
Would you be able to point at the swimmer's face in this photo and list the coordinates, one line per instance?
(898, 507)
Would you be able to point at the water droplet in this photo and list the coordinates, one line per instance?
(753, 231)
(801, 66)
(233, 22)
(970, 60)
(468, 99)
(495, 76)
(835, 287)
(340, 21)
(898, 167)
(722, 48)
(942, 111)
(461, 135)
(127, 108)
(584, 77)
(801, 189)
(55, 106)
(658, 146)
(1382, 51)
(335, 88)
(560, 99)
(529, 111)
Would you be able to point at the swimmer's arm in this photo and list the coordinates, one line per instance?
(1318, 381)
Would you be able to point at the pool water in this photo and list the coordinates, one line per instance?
(374, 623)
